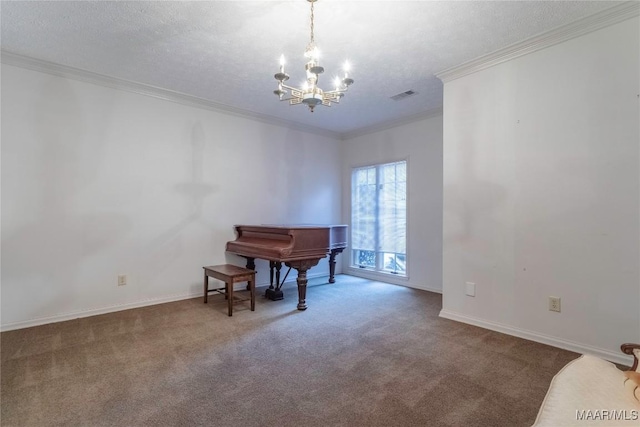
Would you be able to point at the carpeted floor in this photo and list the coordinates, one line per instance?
(363, 354)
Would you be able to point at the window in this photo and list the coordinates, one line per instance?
(379, 218)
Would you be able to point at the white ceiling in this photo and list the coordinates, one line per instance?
(227, 51)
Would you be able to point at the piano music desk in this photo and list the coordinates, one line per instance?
(230, 274)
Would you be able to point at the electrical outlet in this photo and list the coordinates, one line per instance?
(554, 304)
(122, 279)
(470, 289)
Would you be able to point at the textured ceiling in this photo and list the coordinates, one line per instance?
(227, 51)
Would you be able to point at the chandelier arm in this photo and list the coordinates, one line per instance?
(291, 96)
(310, 93)
(335, 92)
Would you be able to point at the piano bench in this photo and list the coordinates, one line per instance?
(230, 274)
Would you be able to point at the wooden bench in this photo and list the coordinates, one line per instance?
(230, 274)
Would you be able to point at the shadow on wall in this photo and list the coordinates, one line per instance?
(295, 181)
(47, 260)
(275, 196)
(309, 193)
(468, 199)
(167, 245)
(41, 258)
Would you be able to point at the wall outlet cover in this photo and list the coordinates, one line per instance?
(470, 289)
(554, 304)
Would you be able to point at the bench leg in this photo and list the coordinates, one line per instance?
(252, 290)
(229, 292)
(206, 286)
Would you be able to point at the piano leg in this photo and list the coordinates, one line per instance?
(278, 284)
(332, 264)
(302, 267)
(274, 294)
(251, 265)
(272, 265)
(302, 289)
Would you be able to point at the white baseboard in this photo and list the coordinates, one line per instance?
(389, 278)
(118, 307)
(94, 312)
(541, 338)
(426, 288)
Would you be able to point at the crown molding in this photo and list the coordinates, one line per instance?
(605, 18)
(435, 112)
(16, 60)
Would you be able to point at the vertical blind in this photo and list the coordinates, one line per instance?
(379, 213)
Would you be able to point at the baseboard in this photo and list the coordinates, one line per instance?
(388, 278)
(541, 338)
(118, 307)
(94, 312)
(425, 288)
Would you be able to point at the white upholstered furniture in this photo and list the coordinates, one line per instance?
(590, 391)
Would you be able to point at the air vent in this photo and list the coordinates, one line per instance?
(403, 95)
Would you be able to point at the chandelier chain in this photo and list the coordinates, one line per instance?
(312, 23)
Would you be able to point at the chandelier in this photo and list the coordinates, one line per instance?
(310, 94)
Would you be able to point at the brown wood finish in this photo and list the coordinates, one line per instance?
(332, 263)
(302, 267)
(230, 274)
(277, 266)
(297, 246)
(628, 349)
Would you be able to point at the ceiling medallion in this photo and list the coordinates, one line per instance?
(310, 94)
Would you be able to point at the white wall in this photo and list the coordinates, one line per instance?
(98, 182)
(420, 143)
(541, 193)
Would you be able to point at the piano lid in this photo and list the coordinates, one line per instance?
(337, 232)
(281, 242)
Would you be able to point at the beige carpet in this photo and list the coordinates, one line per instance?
(363, 354)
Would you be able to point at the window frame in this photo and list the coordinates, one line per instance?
(379, 273)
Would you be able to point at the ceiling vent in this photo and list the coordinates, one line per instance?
(403, 95)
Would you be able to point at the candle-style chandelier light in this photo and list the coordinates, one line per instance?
(310, 94)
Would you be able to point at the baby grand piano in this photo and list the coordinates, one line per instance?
(297, 246)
